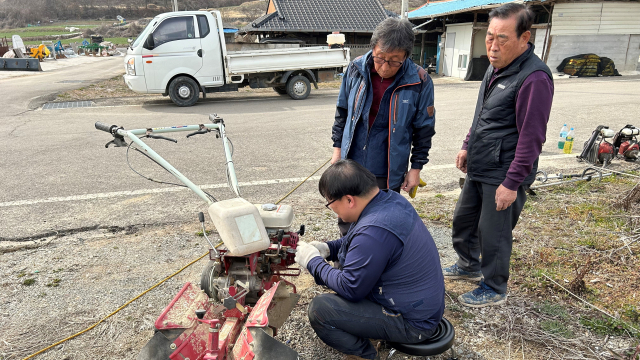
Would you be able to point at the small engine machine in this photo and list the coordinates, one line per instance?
(599, 150)
(243, 297)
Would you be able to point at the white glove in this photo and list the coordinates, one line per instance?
(323, 248)
(304, 253)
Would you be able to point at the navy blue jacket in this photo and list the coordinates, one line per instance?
(388, 257)
(406, 119)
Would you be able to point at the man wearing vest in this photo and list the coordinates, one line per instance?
(389, 282)
(500, 155)
(385, 116)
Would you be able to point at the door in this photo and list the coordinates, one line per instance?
(174, 48)
(449, 47)
(211, 73)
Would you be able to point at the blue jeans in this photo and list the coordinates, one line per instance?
(347, 326)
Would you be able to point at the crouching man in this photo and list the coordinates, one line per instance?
(389, 284)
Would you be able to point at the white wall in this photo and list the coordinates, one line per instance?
(479, 46)
(610, 29)
(622, 49)
(462, 46)
(539, 41)
(583, 18)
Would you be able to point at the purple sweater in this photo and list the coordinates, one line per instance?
(533, 106)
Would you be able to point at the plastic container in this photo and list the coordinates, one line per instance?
(568, 143)
(563, 134)
(335, 39)
(276, 217)
(240, 226)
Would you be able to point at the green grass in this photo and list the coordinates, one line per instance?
(556, 327)
(29, 282)
(116, 41)
(607, 326)
(54, 283)
(552, 309)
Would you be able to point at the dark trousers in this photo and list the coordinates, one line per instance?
(344, 226)
(482, 236)
(347, 326)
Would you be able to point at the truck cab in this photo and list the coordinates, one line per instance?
(181, 54)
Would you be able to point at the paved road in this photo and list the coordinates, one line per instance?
(58, 176)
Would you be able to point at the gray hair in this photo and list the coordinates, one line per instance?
(524, 15)
(394, 34)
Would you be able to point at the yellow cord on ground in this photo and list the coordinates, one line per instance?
(120, 308)
(159, 283)
(302, 182)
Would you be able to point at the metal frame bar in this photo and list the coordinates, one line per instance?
(232, 179)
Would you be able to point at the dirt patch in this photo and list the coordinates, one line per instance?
(79, 278)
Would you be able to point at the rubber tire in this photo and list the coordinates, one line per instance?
(210, 272)
(184, 81)
(291, 86)
(282, 90)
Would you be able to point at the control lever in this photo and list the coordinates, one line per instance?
(118, 141)
(160, 137)
(203, 130)
(212, 351)
(204, 232)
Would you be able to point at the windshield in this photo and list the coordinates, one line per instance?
(143, 35)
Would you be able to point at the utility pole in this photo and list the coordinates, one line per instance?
(405, 9)
(175, 5)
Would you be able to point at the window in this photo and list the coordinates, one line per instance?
(177, 28)
(462, 61)
(203, 24)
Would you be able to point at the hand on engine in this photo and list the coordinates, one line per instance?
(323, 248)
(304, 253)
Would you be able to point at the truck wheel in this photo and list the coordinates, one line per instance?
(282, 90)
(298, 87)
(184, 91)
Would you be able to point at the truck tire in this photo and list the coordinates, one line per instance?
(298, 87)
(184, 91)
(282, 90)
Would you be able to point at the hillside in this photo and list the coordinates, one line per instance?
(19, 13)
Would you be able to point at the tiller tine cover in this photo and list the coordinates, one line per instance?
(178, 333)
(255, 341)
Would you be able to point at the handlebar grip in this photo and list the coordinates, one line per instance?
(104, 127)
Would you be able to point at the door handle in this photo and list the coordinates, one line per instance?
(200, 52)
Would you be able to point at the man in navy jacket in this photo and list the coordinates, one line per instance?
(385, 115)
(389, 284)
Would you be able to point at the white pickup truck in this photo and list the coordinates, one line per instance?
(182, 54)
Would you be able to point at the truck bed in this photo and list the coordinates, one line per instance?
(257, 61)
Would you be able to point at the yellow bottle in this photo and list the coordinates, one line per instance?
(568, 144)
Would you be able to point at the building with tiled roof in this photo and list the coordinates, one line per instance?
(312, 20)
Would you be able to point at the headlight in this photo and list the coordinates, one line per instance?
(131, 66)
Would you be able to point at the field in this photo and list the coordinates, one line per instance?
(45, 32)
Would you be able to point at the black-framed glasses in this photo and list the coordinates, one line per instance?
(330, 202)
(391, 63)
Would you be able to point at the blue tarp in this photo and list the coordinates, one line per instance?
(454, 6)
(230, 31)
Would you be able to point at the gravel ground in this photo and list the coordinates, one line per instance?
(77, 279)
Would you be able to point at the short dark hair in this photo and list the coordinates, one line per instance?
(346, 177)
(524, 14)
(394, 34)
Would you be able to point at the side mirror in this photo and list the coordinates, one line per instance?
(149, 43)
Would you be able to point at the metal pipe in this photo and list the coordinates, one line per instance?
(421, 25)
(168, 166)
(231, 171)
(405, 9)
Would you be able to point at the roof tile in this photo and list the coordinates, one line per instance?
(321, 16)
